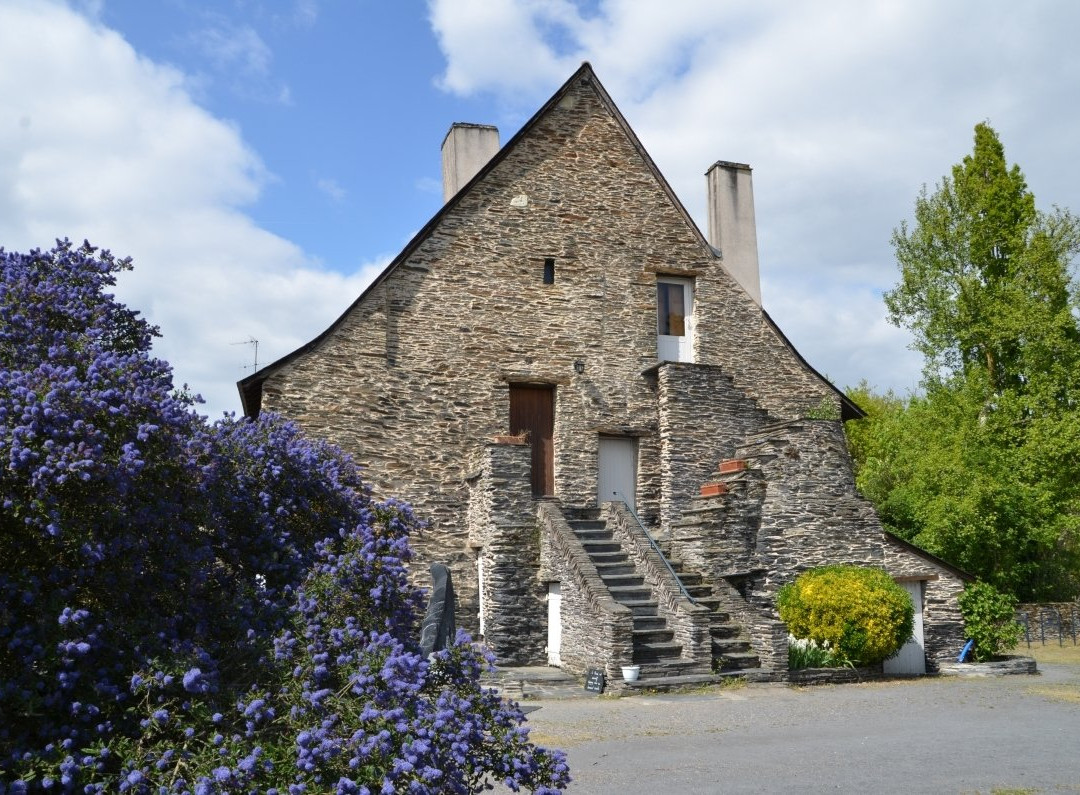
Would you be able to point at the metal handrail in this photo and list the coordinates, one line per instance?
(655, 546)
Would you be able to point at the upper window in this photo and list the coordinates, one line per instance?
(674, 319)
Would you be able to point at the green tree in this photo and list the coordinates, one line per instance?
(984, 277)
(982, 467)
(989, 620)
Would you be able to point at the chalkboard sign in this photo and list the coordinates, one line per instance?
(594, 681)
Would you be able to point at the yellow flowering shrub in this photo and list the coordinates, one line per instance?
(861, 613)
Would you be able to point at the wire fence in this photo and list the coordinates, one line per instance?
(1050, 623)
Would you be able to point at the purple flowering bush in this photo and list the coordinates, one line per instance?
(187, 607)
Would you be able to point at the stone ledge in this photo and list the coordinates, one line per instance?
(1003, 667)
(835, 676)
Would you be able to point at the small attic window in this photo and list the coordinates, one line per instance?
(549, 270)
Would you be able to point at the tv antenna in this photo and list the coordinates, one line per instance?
(254, 343)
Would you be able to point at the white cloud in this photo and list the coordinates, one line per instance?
(105, 145)
(231, 47)
(331, 188)
(844, 109)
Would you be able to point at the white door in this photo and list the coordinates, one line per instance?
(554, 642)
(911, 659)
(480, 592)
(674, 320)
(617, 464)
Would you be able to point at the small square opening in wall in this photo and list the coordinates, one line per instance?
(549, 270)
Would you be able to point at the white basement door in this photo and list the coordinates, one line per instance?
(911, 659)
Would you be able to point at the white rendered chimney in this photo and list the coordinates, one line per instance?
(466, 149)
(732, 228)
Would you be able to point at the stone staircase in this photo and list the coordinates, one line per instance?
(655, 649)
(731, 650)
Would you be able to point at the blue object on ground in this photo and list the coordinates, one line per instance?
(966, 651)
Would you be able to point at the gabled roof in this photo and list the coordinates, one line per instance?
(251, 387)
(929, 557)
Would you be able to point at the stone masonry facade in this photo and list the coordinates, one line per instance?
(415, 381)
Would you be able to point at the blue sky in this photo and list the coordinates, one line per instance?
(261, 160)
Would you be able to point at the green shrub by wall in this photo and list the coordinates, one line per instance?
(989, 619)
(862, 613)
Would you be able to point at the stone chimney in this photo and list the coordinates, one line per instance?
(732, 228)
(466, 149)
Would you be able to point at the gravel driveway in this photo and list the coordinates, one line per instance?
(939, 735)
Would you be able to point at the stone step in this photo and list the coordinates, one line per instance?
(721, 647)
(600, 547)
(656, 652)
(625, 593)
(614, 569)
(630, 579)
(667, 670)
(642, 607)
(646, 636)
(698, 591)
(725, 630)
(739, 661)
(676, 682)
(600, 558)
(587, 524)
(649, 622)
(594, 535)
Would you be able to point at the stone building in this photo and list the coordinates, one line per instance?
(621, 456)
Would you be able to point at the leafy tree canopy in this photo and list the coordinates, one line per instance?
(982, 468)
(199, 608)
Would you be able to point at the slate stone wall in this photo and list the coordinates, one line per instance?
(795, 508)
(505, 534)
(943, 625)
(702, 417)
(416, 375)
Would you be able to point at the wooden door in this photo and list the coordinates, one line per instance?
(532, 409)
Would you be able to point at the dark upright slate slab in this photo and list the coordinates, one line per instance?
(439, 630)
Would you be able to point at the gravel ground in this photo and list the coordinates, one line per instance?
(934, 735)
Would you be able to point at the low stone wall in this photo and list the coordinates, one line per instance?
(1003, 667)
(597, 631)
(835, 676)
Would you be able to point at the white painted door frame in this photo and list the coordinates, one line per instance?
(672, 347)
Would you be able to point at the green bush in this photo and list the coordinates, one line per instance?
(861, 613)
(989, 619)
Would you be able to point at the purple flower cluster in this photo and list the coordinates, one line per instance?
(187, 607)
